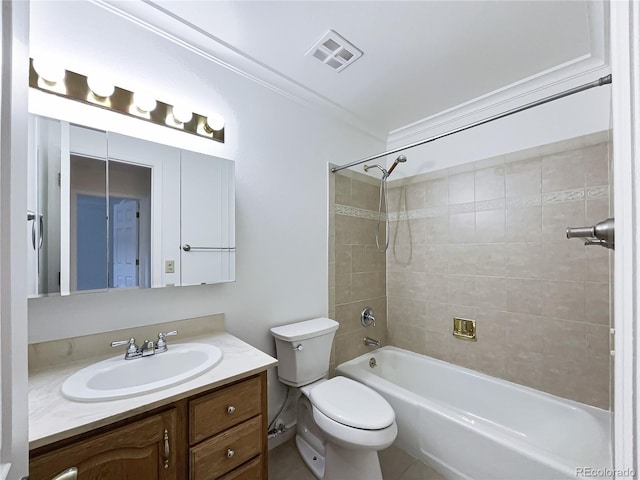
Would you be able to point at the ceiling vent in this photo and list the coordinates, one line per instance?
(335, 51)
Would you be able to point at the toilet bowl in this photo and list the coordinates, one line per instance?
(341, 424)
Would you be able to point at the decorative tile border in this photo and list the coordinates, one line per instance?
(578, 194)
(357, 212)
(528, 201)
(598, 192)
(462, 208)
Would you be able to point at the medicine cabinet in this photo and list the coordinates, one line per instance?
(107, 210)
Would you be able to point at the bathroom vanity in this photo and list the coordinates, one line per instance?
(211, 427)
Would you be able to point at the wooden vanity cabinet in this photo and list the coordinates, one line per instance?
(219, 434)
(144, 449)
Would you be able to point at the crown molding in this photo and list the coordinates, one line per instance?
(535, 87)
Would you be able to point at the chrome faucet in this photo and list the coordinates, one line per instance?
(366, 317)
(148, 347)
(370, 342)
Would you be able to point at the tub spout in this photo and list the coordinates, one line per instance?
(370, 342)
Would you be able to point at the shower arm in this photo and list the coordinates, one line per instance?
(596, 83)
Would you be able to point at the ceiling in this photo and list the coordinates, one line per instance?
(425, 64)
(420, 57)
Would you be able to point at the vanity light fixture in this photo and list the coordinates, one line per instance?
(48, 71)
(47, 77)
(50, 76)
(181, 115)
(214, 123)
(144, 102)
(100, 87)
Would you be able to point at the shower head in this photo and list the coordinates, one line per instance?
(400, 159)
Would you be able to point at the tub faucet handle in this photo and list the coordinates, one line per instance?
(366, 317)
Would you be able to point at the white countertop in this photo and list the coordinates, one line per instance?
(53, 417)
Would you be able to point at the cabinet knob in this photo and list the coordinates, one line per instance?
(230, 453)
(231, 409)
(69, 474)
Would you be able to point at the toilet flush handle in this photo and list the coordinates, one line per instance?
(298, 348)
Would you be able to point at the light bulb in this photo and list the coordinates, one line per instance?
(215, 122)
(100, 87)
(181, 114)
(144, 102)
(49, 71)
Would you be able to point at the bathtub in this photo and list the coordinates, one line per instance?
(472, 426)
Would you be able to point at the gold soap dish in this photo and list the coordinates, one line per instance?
(464, 329)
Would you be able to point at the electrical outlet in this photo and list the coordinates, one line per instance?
(169, 266)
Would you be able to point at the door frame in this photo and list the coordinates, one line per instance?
(625, 46)
(14, 438)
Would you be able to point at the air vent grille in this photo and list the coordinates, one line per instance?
(335, 51)
(320, 55)
(331, 44)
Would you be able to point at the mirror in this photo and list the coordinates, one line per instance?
(107, 210)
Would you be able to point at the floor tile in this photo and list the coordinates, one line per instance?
(285, 464)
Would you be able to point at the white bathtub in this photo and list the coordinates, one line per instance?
(469, 425)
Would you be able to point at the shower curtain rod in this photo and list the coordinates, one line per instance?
(596, 83)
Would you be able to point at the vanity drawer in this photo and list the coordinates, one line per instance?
(222, 409)
(224, 452)
(249, 471)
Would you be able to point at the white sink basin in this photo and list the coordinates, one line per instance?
(120, 378)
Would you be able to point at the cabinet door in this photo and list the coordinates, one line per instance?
(144, 450)
(207, 216)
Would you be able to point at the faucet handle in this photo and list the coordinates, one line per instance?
(366, 317)
(161, 344)
(131, 350)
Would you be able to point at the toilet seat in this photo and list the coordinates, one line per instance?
(352, 404)
(355, 438)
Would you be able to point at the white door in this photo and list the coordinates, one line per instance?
(125, 243)
(14, 18)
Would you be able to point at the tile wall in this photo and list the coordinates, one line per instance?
(357, 271)
(486, 241)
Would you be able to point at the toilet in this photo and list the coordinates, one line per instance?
(341, 424)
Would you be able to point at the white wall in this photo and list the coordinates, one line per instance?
(281, 150)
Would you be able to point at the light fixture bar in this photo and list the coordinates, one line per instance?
(121, 101)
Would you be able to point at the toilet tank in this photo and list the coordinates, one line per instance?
(303, 350)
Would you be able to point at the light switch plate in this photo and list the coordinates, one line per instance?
(169, 266)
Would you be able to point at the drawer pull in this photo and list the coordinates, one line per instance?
(230, 453)
(69, 474)
(166, 448)
(231, 409)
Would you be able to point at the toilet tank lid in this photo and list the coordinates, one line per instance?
(303, 330)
